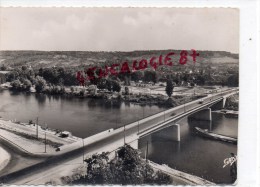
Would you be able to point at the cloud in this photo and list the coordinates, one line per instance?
(119, 29)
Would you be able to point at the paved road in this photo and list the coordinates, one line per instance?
(19, 159)
(47, 169)
(32, 130)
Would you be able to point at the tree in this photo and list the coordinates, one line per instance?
(102, 83)
(113, 85)
(109, 85)
(137, 76)
(51, 75)
(126, 90)
(233, 80)
(27, 85)
(11, 76)
(116, 86)
(126, 168)
(3, 68)
(61, 82)
(69, 77)
(150, 76)
(16, 84)
(127, 80)
(169, 88)
(40, 84)
(129, 168)
(98, 169)
(200, 80)
(24, 68)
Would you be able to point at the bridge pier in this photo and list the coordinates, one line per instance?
(172, 132)
(224, 102)
(204, 115)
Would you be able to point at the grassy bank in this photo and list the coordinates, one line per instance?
(232, 102)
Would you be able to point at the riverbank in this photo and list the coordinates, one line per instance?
(228, 113)
(136, 95)
(137, 99)
(23, 148)
(179, 177)
(232, 103)
(23, 136)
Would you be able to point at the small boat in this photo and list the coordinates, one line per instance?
(207, 134)
(231, 114)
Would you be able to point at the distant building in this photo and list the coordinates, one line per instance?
(3, 76)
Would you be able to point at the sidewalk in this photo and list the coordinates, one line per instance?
(23, 137)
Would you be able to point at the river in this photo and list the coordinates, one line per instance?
(85, 117)
(194, 154)
(82, 117)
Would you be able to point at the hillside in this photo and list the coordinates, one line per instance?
(38, 59)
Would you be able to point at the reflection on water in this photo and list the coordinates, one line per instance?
(82, 117)
(194, 154)
(85, 117)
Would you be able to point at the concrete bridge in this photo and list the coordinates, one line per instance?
(163, 121)
(112, 139)
(196, 110)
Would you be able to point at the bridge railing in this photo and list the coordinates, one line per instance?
(165, 114)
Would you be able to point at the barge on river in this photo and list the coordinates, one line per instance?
(207, 134)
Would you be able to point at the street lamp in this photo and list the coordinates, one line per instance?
(124, 135)
(45, 141)
(146, 152)
(37, 133)
(83, 148)
(138, 127)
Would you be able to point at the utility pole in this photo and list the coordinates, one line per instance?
(45, 142)
(146, 152)
(83, 149)
(143, 112)
(37, 135)
(164, 115)
(138, 127)
(124, 135)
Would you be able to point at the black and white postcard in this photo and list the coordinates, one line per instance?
(121, 96)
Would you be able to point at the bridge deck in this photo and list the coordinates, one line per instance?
(109, 141)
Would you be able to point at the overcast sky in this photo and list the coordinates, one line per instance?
(119, 29)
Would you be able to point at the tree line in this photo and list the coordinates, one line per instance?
(23, 78)
(127, 168)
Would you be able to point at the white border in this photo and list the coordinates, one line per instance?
(129, 3)
(248, 151)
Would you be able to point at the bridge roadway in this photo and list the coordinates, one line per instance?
(50, 169)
